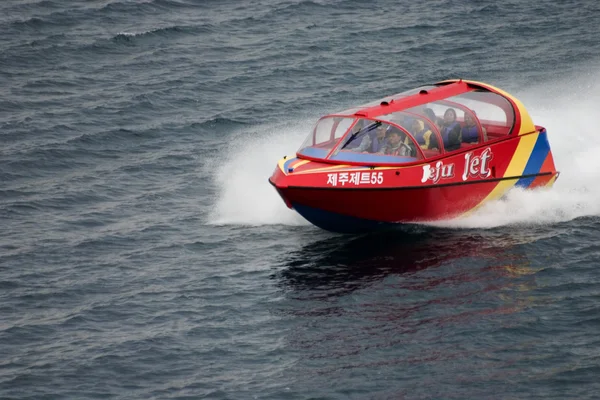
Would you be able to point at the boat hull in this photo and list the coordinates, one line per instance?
(357, 210)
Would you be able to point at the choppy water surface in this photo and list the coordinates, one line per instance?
(144, 255)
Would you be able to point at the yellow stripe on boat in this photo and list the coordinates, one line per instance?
(514, 170)
(299, 164)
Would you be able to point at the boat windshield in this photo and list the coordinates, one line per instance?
(424, 131)
(325, 136)
(366, 141)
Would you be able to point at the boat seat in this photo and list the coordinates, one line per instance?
(431, 153)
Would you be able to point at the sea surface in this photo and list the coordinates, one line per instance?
(143, 255)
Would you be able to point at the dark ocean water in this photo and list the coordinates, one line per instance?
(144, 255)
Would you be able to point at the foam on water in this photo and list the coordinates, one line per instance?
(566, 109)
(245, 197)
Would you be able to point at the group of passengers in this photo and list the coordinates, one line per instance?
(387, 140)
(453, 134)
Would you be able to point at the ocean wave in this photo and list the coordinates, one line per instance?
(220, 121)
(258, 17)
(303, 6)
(48, 17)
(168, 31)
(121, 5)
(114, 137)
(34, 22)
(488, 9)
(43, 161)
(127, 6)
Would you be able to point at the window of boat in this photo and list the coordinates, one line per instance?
(327, 133)
(342, 126)
(457, 119)
(423, 130)
(375, 141)
(490, 111)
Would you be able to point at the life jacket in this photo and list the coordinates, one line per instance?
(357, 138)
(401, 150)
(470, 134)
(424, 139)
(451, 143)
(422, 135)
(394, 152)
(353, 144)
(376, 144)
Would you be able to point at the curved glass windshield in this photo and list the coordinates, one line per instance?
(467, 119)
(364, 141)
(325, 136)
(377, 142)
(492, 113)
(424, 131)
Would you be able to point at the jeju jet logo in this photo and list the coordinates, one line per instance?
(478, 166)
(438, 172)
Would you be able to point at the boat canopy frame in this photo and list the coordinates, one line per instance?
(402, 103)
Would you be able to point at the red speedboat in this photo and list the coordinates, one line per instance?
(431, 153)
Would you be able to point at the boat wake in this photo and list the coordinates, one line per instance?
(567, 110)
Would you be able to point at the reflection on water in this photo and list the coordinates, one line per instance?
(409, 297)
(341, 264)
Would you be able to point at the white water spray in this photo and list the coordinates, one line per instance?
(567, 110)
(245, 197)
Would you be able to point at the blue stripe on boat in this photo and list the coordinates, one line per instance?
(536, 160)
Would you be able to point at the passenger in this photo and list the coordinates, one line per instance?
(424, 137)
(395, 146)
(450, 130)
(412, 151)
(470, 131)
(374, 141)
(358, 126)
(435, 119)
(353, 143)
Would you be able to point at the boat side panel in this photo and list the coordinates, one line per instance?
(431, 191)
(411, 205)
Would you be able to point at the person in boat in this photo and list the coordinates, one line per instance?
(429, 113)
(470, 131)
(450, 130)
(424, 137)
(395, 145)
(355, 135)
(374, 141)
